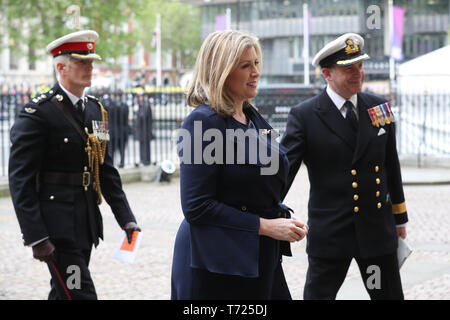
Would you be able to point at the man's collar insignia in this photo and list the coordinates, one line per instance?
(30, 110)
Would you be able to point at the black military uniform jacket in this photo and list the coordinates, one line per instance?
(356, 193)
(44, 141)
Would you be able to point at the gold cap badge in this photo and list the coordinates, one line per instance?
(351, 47)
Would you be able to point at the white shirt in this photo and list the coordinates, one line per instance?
(73, 98)
(339, 101)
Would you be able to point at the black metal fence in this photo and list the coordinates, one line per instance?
(143, 125)
(10, 103)
(274, 102)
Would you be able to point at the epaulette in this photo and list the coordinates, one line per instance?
(95, 100)
(92, 97)
(43, 97)
(102, 109)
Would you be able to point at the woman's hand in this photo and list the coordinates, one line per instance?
(283, 229)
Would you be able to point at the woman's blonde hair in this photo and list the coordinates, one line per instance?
(219, 55)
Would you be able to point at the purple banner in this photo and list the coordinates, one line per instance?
(397, 36)
(221, 22)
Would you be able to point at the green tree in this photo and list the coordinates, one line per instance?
(180, 29)
(38, 22)
(35, 23)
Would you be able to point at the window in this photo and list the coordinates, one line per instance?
(13, 60)
(295, 47)
(31, 59)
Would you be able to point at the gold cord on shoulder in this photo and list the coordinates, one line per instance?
(96, 150)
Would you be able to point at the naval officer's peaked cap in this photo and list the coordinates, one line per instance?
(343, 51)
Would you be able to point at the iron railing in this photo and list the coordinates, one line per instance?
(143, 124)
(423, 124)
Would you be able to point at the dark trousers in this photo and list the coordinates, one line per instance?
(144, 151)
(118, 144)
(381, 277)
(71, 279)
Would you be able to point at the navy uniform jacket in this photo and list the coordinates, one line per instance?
(222, 203)
(43, 140)
(356, 193)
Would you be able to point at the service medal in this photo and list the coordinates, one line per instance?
(373, 117)
(380, 115)
(389, 112)
(100, 130)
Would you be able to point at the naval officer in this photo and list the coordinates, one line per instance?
(356, 207)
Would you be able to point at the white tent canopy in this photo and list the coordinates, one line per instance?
(427, 73)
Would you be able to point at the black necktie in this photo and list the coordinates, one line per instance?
(79, 110)
(350, 116)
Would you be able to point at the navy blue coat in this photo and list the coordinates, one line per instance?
(43, 140)
(222, 205)
(356, 193)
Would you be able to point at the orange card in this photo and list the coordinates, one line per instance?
(126, 252)
(129, 246)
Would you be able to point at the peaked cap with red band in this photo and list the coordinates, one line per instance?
(79, 45)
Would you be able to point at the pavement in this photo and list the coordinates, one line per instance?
(425, 275)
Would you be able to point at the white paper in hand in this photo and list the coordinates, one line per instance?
(403, 252)
(126, 252)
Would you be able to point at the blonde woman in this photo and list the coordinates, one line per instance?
(229, 245)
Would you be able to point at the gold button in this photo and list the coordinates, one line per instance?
(353, 172)
(355, 197)
(377, 168)
(355, 209)
(52, 197)
(377, 180)
(377, 194)
(379, 205)
(244, 208)
(66, 140)
(354, 185)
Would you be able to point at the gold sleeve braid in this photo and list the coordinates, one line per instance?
(96, 150)
(399, 208)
